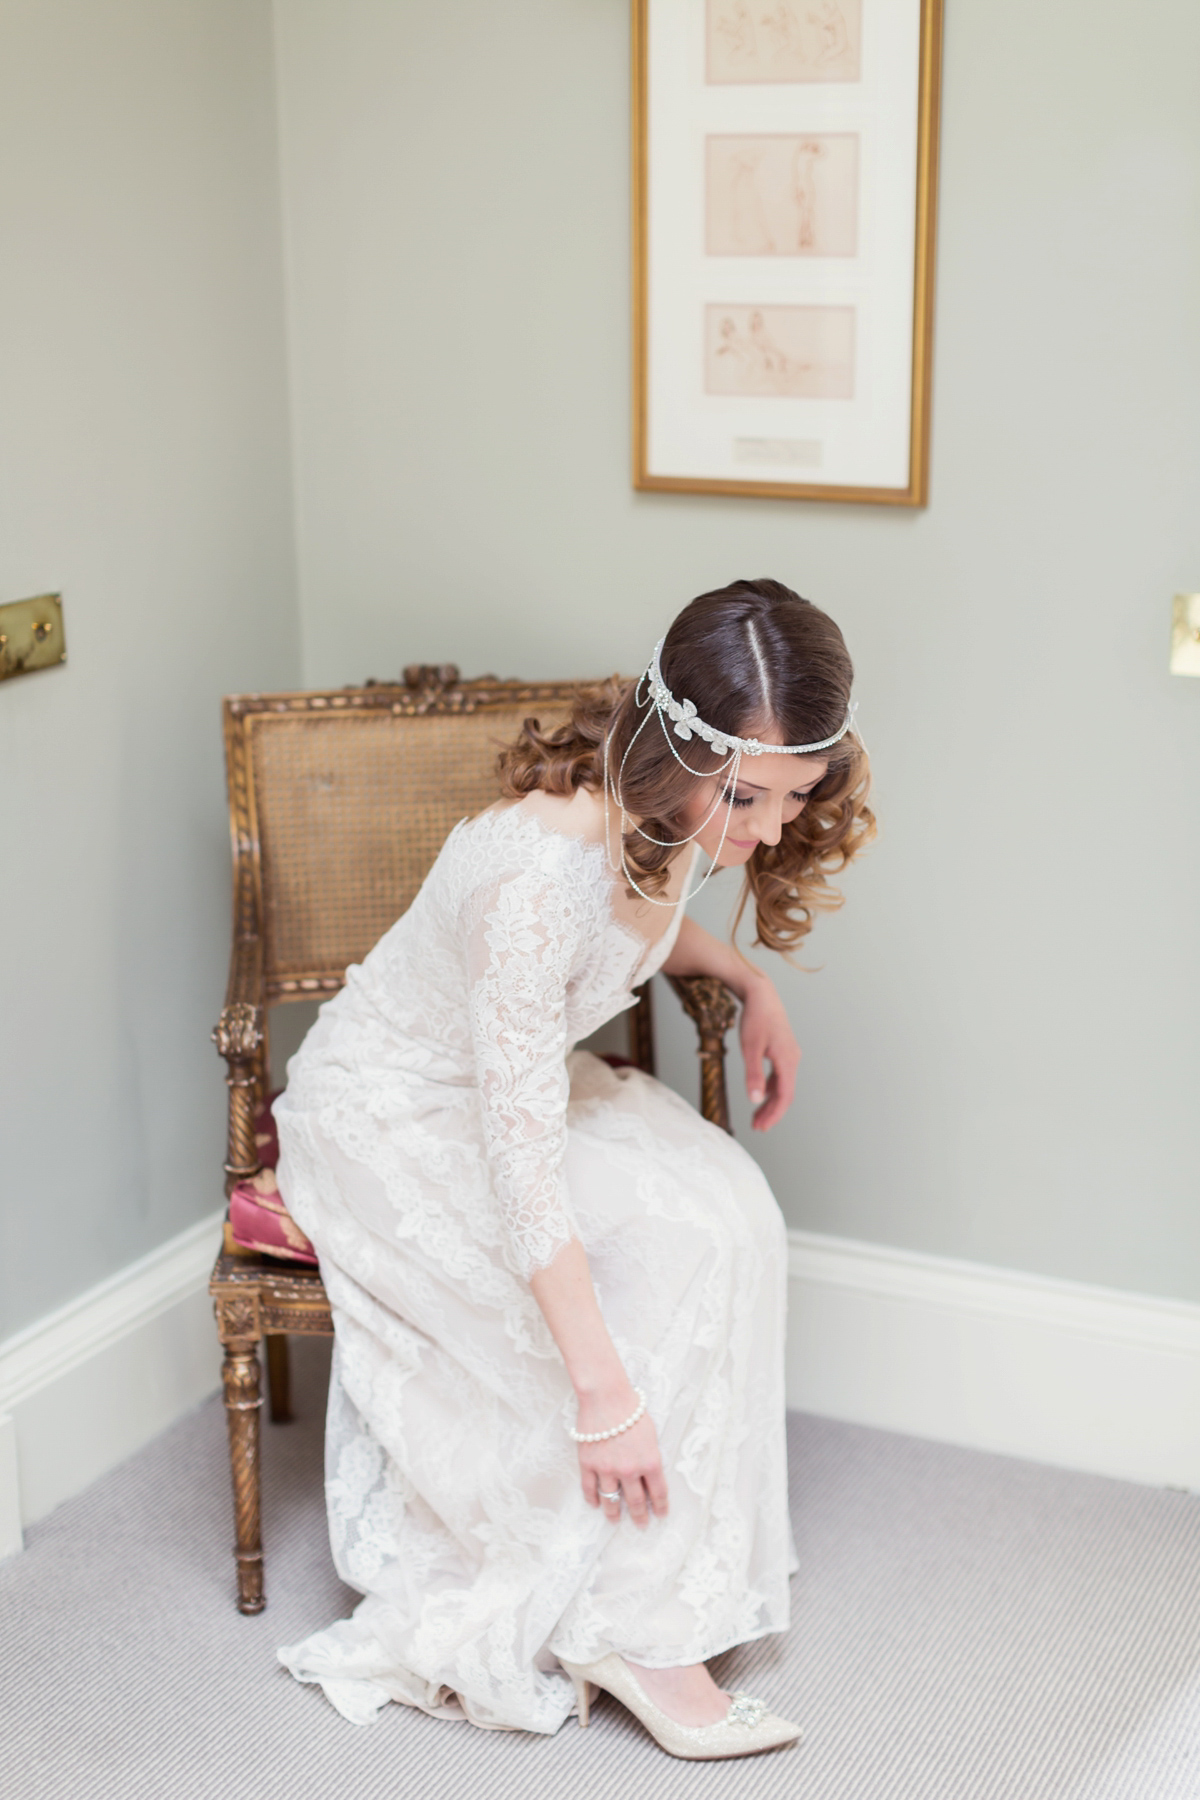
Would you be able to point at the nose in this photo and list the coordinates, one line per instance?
(770, 826)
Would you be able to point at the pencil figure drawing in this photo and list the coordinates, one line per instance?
(784, 40)
(782, 352)
(782, 195)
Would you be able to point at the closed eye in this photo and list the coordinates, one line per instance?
(748, 799)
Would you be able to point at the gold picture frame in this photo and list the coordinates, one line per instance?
(910, 296)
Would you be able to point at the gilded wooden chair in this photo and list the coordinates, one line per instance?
(339, 802)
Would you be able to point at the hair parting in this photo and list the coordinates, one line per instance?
(761, 660)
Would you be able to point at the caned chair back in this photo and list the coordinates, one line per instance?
(340, 802)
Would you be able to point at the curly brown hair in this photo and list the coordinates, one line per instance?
(754, 656)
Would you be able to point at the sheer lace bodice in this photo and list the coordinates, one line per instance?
(441, 1139)
(510, 954)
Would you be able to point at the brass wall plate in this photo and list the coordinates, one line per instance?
(1185, 634)
(31, 635)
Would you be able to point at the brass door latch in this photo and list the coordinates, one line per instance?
(31, 635)
(1185, 635)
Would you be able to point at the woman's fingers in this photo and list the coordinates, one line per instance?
(773, 1107)
(770, 1053)
(611, 1496)
(754, 1049)
(778, 1101)
(639, 1495)
(637, 1485)
(633, 1488)
(656, 1488)
(779, 1091)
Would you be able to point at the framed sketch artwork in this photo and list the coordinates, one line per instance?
(785, 164)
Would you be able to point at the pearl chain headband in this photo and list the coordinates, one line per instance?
(686, 724)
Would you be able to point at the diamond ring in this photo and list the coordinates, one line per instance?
(605, 1496)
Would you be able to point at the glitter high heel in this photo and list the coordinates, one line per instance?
(746, 1728)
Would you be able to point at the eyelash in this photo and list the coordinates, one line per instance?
(733, 800)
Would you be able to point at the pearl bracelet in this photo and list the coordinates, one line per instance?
(598, 1437)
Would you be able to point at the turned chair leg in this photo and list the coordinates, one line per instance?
(279, 1385)
(243, 1403)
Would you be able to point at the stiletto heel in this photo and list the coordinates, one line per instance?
(583, 1694)
(746, 1728)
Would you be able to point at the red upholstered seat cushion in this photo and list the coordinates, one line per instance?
(261, 1221)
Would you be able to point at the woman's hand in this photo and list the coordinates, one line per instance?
(628, 1465)
(767, 1037)
(766, 1034)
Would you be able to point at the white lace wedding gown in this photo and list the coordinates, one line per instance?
(441, 1141)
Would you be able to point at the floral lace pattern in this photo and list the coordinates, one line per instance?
(440, 1141)
(519, 962)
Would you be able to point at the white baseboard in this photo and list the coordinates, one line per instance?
(1086, 1377)
(1089, 1378)
(85, 1387)
(10, 1497)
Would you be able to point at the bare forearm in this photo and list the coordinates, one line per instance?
(568, 1301)
(628, 1463)
(698, 952)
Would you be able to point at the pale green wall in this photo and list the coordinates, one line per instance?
(1002, 1055)
(143, 471)
(1002, 1046)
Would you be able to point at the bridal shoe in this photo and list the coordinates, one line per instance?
(746, 1728)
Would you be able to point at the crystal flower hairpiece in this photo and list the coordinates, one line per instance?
(686, 724)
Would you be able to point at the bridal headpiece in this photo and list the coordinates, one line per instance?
(680, 719)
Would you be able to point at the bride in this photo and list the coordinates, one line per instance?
(555, 1457)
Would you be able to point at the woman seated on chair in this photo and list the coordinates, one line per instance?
(556, 1450)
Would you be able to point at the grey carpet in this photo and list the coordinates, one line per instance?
(966, 1628)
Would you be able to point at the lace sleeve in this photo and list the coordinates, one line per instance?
(519, 955)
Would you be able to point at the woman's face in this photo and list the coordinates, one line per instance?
(769, 793)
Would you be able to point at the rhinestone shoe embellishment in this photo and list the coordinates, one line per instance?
(744, 1709)
(748, 1728)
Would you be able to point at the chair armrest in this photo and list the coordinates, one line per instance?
(241, 1038)
(712, 1007)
